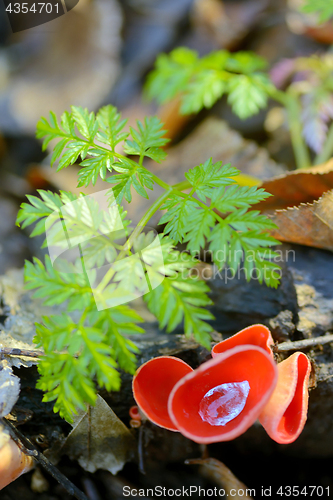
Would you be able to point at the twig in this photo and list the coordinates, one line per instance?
(28, 448)
(13, 351)
(140, 450)
(302, 344)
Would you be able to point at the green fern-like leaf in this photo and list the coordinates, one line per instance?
(247, 94)
(181, 297)
(229, 238)
(210, 175)
(324, 9)
(56, 287)
(111, 127)
(201, 82)
(202, 92)
(178, 213)
(80, 136)
(147, 140)
(171, 75)
(227, 200)
(86, 346)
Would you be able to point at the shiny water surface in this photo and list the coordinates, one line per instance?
(224, 402)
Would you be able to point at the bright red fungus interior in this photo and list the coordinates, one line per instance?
(242, 363)
(294, 415)
(258, 335)
(152, 385)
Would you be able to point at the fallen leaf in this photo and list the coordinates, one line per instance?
(299, 186)
(9, 388)
(217, 472)
(307, 224)
(174, 121)
(100, 440)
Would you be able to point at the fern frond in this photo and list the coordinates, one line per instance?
(201, 82)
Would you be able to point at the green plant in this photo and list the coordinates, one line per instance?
(324, 9)
(85, 346)
(242, 76)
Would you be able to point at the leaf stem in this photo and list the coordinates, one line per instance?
(180, 186)
(143, 221)
(291, 102)
(327, 151)
(301, 152)
(137, 231)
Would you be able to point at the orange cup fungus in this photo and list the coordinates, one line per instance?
(222, 398)
(285, 414)
(258, 335)
(134, 413)
(152, 385)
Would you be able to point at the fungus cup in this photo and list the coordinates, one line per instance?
(224, 396)
(258, 335)
(285, 414)
(134, 413)
(152, 385)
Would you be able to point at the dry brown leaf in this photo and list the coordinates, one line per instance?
(174, 121)
(100, 440)
(307, 224)
(217, 472)
(299, 186)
